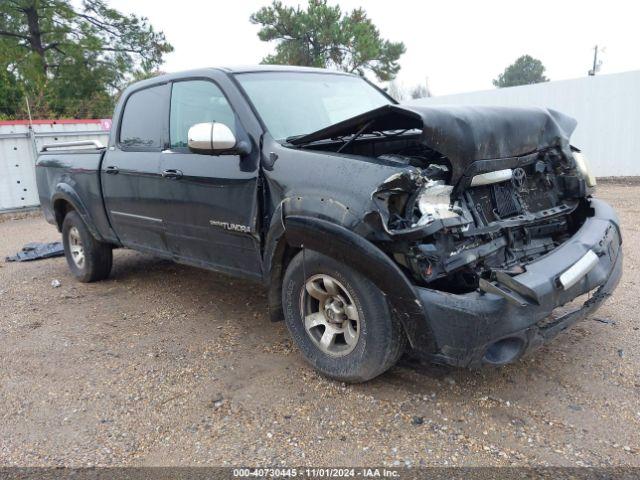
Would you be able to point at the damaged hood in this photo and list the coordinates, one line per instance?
(463, 134)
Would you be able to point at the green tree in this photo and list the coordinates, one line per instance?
(322, 36)
(70, 59)
(524, 71)
(10, 91)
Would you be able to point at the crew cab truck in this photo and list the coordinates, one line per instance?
(464, 233)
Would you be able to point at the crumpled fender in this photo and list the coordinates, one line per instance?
(275, 242)
(346, 246)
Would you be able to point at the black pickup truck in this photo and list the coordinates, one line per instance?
(468, 233)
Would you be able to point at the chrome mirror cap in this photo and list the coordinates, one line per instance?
(199, 136)
(211, 136)
(222, 138)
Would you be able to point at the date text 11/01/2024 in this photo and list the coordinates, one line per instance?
(316, 472)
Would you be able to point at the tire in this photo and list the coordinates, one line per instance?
(371, 339)
(89, 260)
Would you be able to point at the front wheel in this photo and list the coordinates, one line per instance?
(88, 259)
(339, 319)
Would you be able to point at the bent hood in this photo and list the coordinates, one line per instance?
(463, 134)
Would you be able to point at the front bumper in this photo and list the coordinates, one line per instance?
(485, 328)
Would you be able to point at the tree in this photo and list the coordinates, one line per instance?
(420, 91)
(10, 94)
(395, 91)
(399, 93)
(322, 36)
(71, 60)
(524, 71)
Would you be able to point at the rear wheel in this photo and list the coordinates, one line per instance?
(339, 319)
(89, 260)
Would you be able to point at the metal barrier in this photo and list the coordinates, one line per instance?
(20, 142)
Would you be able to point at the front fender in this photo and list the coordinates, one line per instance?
(275, 255)
(346, 246)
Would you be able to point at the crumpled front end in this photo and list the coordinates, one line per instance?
(460, 238)
(490, 214)
(486, 327)
(505, 263)
(501, 258)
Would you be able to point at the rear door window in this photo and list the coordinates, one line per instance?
(143, 119)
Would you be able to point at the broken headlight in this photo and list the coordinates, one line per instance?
(434, 203)
(584, 168)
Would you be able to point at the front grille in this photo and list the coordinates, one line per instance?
(505, 201)
(494, 202)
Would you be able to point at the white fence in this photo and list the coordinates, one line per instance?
(607, 108)
(19, 143)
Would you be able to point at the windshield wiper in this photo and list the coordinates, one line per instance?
(310, 142)
(352, 137)
(295, 137)
(355, 137)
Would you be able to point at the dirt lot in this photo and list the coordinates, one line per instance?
(169, 365)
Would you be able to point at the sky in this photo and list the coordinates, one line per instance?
(455, 46)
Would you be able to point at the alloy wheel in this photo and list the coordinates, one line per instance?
(330, 315)
(76, 248)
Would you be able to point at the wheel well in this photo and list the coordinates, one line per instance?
(60, 208)
(287, 256)
(282, 256)
(371, 261)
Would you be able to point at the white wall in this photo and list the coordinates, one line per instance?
(607, 108)
(18, 154)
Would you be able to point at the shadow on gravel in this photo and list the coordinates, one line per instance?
(425, 368)
(137, 265)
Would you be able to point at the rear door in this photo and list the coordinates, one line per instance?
(133, 187)
(212, 214)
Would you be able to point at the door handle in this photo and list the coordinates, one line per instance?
(172, 174)
(112, 170)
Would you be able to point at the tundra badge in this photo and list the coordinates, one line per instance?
(231, 226)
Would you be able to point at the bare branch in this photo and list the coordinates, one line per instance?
(53, 45)
(127, 50)
(101, 25)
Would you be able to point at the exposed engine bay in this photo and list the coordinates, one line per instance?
(452, 221)
(449, 238)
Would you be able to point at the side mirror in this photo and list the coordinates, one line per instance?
(212, 137)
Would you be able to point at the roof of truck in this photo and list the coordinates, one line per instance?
(230, 70)
(277, 68)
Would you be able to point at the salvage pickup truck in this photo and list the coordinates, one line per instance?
(466, 233)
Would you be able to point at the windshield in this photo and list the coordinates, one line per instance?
(295, 103)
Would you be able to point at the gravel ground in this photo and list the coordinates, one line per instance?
(164, 364)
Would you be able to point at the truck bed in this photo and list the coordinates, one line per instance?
(56, 169)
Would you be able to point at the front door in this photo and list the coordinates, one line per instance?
(133, 188)
(212, 214)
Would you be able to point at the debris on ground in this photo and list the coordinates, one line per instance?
(55, 283)
(37, 251)
(603, 320)
(417, 420)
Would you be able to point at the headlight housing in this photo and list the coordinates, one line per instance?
(434, 203)
(584, 168)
